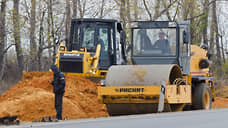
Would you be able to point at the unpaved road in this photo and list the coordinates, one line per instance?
(191, 119)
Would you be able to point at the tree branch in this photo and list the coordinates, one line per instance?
(5, 50)
(164, 10)
(147, 10)
(191, 18)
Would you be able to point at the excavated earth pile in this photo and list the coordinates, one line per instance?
(221, 100)
(33, 98)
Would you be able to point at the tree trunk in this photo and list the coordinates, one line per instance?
(123, 12)
(53, 36)
(102, 9)
(33, 46)
(81, 8)
(214, 17)
(49, 28)
(17, 38)
(157, 9)
(41, 42)
(223, 52)
(2, 37)
(205, 21)
(212, 44)
(128, 11)
(214, 40)
(185, 9)
(75, 8)
(136, 12)
(67, 23)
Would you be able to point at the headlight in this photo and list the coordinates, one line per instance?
(102, 82)
(82, 49)
(62, 48)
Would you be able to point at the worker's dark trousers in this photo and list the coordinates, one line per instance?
(58, 105)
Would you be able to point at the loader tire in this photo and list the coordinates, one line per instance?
(202, 98)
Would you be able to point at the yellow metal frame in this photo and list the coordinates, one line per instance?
(144, 94)
(89, 63)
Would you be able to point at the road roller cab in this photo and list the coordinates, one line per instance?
(161, 42)
(160, 77)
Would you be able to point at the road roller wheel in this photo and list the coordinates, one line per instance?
(202, 98)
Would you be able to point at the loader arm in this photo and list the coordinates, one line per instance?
(95, 59)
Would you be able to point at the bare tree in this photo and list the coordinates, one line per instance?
(214, 17)
(67, 23)
(33, 45)
(17, 38)
(123, 12)
(136, 12)
(102, 9)
(128, 11)
(222, 48)
(75, 8)
(205, 20)
(157, 9)
(41, 40)
(2, 37)
(147, 10)
(158, 12)
(82, 7)
(49, 4)
(53, 36)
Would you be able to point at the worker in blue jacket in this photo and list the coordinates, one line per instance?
(59, 89)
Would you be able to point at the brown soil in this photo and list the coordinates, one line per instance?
(221, 100)
(32, 98)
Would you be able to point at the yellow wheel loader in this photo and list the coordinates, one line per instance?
(95, 45)
(164, 75)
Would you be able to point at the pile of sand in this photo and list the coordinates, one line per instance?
(33, 98)
(220, 102)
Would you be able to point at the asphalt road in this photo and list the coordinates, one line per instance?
(191, 119)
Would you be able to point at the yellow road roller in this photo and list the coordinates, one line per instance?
(163, 76)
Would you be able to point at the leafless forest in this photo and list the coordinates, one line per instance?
(31, 30)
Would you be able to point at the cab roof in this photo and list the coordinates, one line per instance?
(93, 20)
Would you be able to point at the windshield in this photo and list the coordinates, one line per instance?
(154, 42)
(88, 38)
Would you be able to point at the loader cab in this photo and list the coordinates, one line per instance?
(161, 42)
(87, 33)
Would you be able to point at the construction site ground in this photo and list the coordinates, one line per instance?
(33, 98)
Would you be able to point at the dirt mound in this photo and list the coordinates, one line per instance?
(33, 98)
(220, 102)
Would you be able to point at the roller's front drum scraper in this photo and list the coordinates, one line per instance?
(130, 78)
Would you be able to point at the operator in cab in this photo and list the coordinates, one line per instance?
(162, 43)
